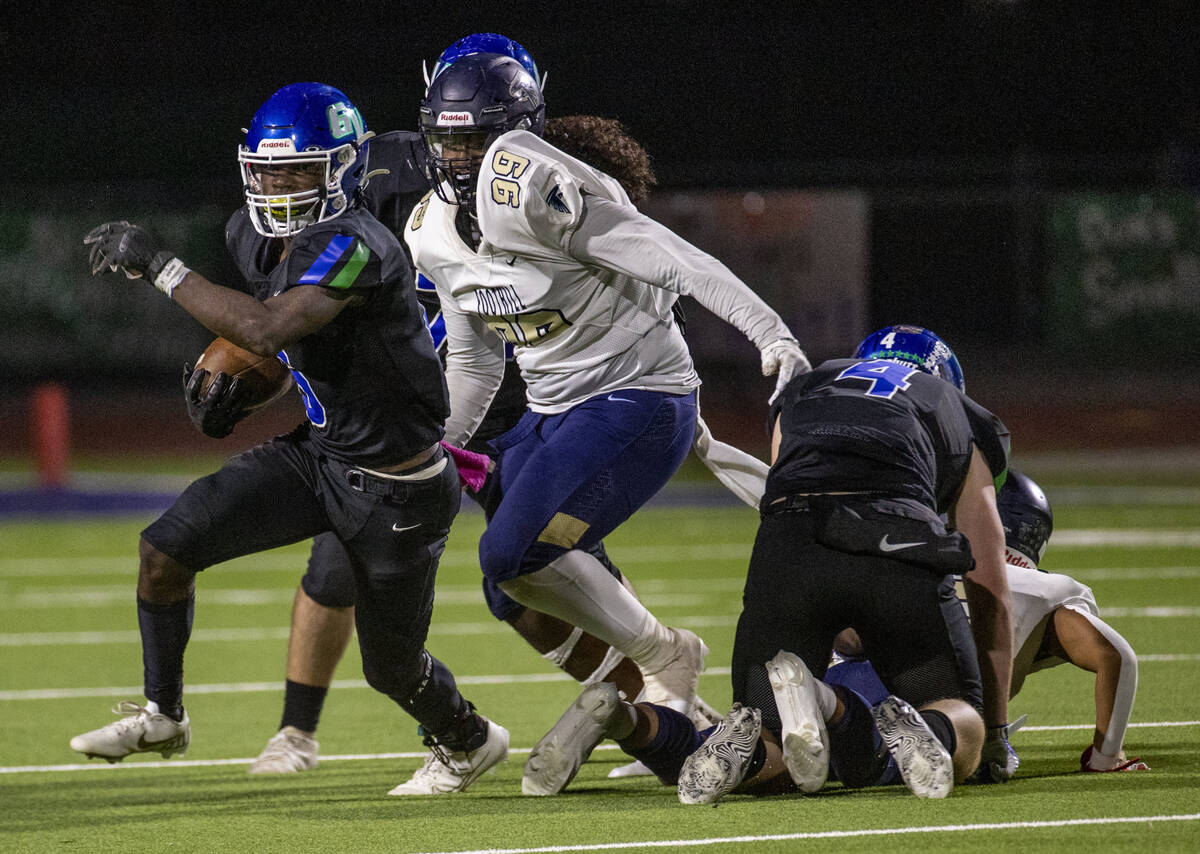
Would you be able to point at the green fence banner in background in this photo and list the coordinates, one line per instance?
(1124, 272)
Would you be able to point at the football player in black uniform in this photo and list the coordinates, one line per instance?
(322, 615)
(333, 299)
(1055, 619)
(867, 454)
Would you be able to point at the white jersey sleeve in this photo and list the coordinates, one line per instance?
(474, 370)
(621, 239)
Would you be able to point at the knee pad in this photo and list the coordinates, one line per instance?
(402, 675)
(502, 606)
(329, 580)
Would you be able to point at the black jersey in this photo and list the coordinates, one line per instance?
(883, 428)
(373, 387)
(398, 183)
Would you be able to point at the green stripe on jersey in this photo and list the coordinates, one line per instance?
(345, 278)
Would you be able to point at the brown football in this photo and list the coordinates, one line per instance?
(265, 376)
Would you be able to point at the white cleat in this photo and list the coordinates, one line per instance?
(805, 738)
(558, 756)
(445, 772)
(633, 769)
(720, 764)
(142, 731)
(289, 750)
(924, 762)
(674, 685)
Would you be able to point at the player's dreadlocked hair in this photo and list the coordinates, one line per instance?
(604, 144)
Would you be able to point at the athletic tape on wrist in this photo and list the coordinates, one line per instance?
(170, 276)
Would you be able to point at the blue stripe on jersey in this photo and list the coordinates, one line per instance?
(437, 329)
(333, 252)
(423, 284)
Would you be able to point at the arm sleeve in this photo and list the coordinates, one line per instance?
(474, 370)
(618, 238)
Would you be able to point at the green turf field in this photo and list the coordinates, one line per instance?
(69, 649)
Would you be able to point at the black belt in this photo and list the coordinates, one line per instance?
(788, 504)
(374, 484)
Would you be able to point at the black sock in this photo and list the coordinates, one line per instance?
(757, 761)
(302, 705)
(165, 631)
(674, 742)
(855, 756)
(942, 728)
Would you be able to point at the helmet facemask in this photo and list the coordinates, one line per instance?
(455, 156)
(283, 213)
(469, 104)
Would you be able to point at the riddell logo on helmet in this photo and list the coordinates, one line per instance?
(1015, 558)
(271, 144)
(455, 119)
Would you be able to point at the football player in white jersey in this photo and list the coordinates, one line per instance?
(530, 247)
(1055, 620)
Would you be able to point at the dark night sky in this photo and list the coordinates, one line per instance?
(122, 93)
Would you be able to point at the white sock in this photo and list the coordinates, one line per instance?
(826, 699)
(577, 588)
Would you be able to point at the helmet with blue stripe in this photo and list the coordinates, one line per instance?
(913, 345)
(313, 131)
(486, 43)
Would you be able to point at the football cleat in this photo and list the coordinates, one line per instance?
(924, 763)
(445, 771)
(1134, 764)
(143, 730)
(674, 685)
(720, 764)
(558, 756)
(636, 768)
(805, 737)
(289, 750)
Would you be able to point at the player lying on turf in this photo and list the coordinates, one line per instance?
(1055, 620)
(868, 453)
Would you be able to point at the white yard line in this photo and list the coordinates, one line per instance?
(28, 567)
(834, 834)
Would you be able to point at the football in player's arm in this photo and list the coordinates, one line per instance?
(332, 292)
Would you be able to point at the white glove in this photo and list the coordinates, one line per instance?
(998, 761)
(783, 356)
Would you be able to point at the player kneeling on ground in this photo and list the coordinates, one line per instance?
(868, 453)
(1055, 620)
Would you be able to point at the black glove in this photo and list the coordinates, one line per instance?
(126, 247)
(218, 408)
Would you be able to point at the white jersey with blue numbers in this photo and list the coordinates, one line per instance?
(575, 278)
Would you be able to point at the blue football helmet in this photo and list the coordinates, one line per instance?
(485, 43)
(912, 345)
(468, 105)
(310, 127)
(1026, 516)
